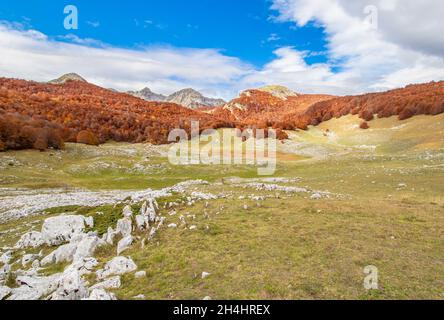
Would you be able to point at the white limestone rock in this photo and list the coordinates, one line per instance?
(29, 258)
(4, 291)
(89, 221)
(110, 283)
(101, 295)
(6, 257)
(142, 222)
(61, 229)
(140, 274)
(31, 239)
(4, 272)
(124, 244)
(117, 266)
(64, 253)
(84, 266)
(34, 287)
(127, 212)
(124, 227)
(86, 247)
(71, 286)
(110, 234)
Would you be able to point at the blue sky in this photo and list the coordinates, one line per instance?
(224, 47)
(243, 29)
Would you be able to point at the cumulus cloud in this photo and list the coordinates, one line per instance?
(29, 54)
(405, 46)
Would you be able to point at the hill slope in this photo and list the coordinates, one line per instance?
(30, 111)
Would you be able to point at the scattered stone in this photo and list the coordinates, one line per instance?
(110, 283)
(124, 244)
(64, 253)
(205, 275)
(127, 212)
(124, 227)
(6, 257)
(152, 234)
(71, 287)
(117, 266)
(193, 228)
(172, 226)
(139, 297)
(245, 207)
(89, 221)
(140, 274)
(142, 222)
(31, 239)
(207, 298)
(316, 196)
(110, 234)
(86, 247)
(34, 287)
(84, 266)
(101, 295)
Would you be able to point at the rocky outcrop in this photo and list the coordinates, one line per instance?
(67, 77)
(188, 98)
(148, 95)
(193, 99)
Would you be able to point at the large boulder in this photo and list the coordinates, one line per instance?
(62, 229)
(34, 287)
(63, 253)
(83, 266)
(86, 247)
(71, 286)
(117, 266)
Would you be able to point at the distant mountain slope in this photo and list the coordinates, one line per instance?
(148, 95)
(41, 115)
(188, 98)
(266, 107)
(419, 99)
(37, 115)
(67, 77)
(193, 99)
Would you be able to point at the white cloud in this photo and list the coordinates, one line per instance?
(29, 54)
(406, 47)
(94, 24)
(273, 37)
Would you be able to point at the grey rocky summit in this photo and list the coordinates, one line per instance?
(188, 98)
(67, 77)
(148, 95)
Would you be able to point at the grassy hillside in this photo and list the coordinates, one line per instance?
(385, 208)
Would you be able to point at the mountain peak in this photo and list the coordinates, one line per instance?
(188, 97)
(278, 91)
(68, 77)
